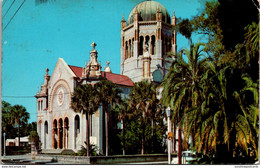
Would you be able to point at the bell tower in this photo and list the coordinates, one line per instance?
(149, 30)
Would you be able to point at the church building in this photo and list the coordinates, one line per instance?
(146, 38)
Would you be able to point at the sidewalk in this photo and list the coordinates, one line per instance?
(21, 159)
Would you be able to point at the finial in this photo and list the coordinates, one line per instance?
(158, 10)
(93, 45)
(47, 70)
(38, 89)
(123, 19)
(173, 13)
(107, 68)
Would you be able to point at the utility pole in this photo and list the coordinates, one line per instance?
(168, 113)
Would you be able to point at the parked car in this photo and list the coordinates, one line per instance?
(187, 158)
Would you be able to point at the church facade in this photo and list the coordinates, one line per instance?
(146, 38)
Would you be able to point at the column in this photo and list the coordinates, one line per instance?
(59, 129)
(150, 45)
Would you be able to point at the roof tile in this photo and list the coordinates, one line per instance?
(115, 78)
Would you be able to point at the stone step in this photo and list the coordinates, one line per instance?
(52, 151)
(57, 151)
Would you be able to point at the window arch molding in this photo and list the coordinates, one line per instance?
(57, 85)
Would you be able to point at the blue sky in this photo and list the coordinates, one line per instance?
(39, 34)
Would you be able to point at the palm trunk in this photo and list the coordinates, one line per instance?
(87, 133)
(142, 143)
(143, 133)
(123, 130)
(174, 137)
(18, 133)
(152, 123)
(179, 145)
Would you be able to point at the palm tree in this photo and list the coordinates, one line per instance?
(252, 37)
(84, 100)
(143, 101)
(182, 86)
(19, 115)
(248, 121)
(123, 113)
(6, 111)
(108, 94)
(228, 117)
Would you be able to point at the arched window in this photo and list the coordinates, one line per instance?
(141, 45)
(76, 131)
(147, 40)
(45, 134)
(46, 127)
(153, 45)
(77, 124)
(126, 50)
(130, 49)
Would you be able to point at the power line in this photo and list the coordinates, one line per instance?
(18, 96)
(14, 15)
(9, 8)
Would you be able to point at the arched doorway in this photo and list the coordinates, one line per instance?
(66, 133)
(45, 133)
(76, 131)
(54, 134)
(60, 134)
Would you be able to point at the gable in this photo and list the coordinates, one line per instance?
(61, 71)
(115, 78)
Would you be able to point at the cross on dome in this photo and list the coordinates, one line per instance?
(93, 45)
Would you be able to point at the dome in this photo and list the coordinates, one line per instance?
(147, 12)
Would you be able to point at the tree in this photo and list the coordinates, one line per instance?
(6, 115)
(143, 103)
(19, 115)
(222, 119)
(248, 125)
(122, 112)
(34, 137)
(226, 124)
(233, 22)
(182, 88)
(108, 95)
(84, 100)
